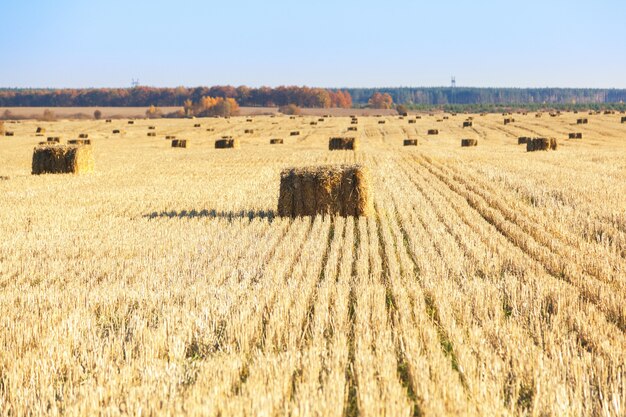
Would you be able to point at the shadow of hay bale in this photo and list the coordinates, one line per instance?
(213, 214)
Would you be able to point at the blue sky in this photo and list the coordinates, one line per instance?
(70, 43)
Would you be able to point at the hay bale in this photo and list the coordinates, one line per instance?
(225, 143)
(404, 114)
(210, 129)
(352, 128)
(522, 140)
(294, 133)
(508, 120)
(151, 127)
(116, 131)
(418, 117)
(197, 125)
(327, 190)
(409, 142)
(8, 133)
(108, 121)
(153, 134)
(292, 117)
(131, 122)
(276, 141)
(623, 119)
(469, 142)
(343, 143)
(179, 143)
(321, 119)
(412, 121)
(445, 117)
(248, 120)
(541, 144)
(1, 127)
(83, 136)
(169, 137)
(248, 131)
(79, 142)
(381, 122)
(40, 130)
(582, 121)
(354, 122)
(313, 123)
(60, 159)
(577, 135)
(439, 120)
(433, 131)
(468, 123)
(538, 115)
(54, 139)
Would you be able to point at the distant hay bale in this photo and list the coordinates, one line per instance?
(292, 117)
(468, 123)
(433, 131)
(343, 143)
(169, 137)
(131, 122)
(60, 159)
(352, 128)
(409, 142)
(412, 121)
(440, 120)
(354, 122)
(179, 143)
(152, 134)
(79, 142)
(418, 117)
(210, 129)
(248, 120)
(522, 140)
(276, 141)
(116, 131)
(541, 144)
(321, 119)
(83, 136)
(404, 114)
(54, 139)
(445, 117)
(8, 133)
(538, 115)
(40, 130)
(582, 121)
(225, 143)
(577, 135)
(327, 190)
(483, 114)
(151, 127)
(313, 123)
(294, 133)
(197, 125)
(469, 142)
(108, 121)
(401, 118)
(381, 122)
(248, 131)
(509, 120)
(623, 119)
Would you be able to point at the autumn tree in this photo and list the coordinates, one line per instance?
(154, 113)
(215, 106)
(380, 101)
(402, 110)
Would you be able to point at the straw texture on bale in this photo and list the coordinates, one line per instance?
(226, 143)
(469, 142)
(179, 143)
(60, 159)
(410, 142)
(467, 124)
(276, 141)
(541, 144)
(354, 122)
(336, 190)
(522, 140)
(576, 135)
(433, 131)
(345, 143)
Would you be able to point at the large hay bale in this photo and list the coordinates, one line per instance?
(469, 142)
(343, 143)
(294, 133)
(225, 143)
(79, 142)
(433, 131)
(83, 136)
(248, 120)
(60, 159)
(582, 121)
(541, 144)
(276, 141)
(410, 142)
(335, 190)
(445, 117)
(210, 129)
(468, 123)
(522, 140)
(179, 143)
(623, 119)
(577, 135)
(418, 117)
(321, 119)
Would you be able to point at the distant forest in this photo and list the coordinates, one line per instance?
(415, 98)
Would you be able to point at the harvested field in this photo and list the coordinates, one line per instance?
(483, 282)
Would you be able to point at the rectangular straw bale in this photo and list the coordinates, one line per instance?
(54, 139)
(295, 133)
(623, 119)
(469, 142)
(152, 134)
(59, 159)
(381, 122)
(412, 121)
(116, 131)
(276, 141)
(40, 130)
(343, 143)
(433, 131)
(131, 122)
(8, 133)
(151, 127)
(226, 143)
(582, 121)
(334, 190)
(197, 125)
(108, 121)
(468, 123)
(179, 143)
(541, 144)
(352, 128)
(83, 136)
(577, 135)
(410, 142)
(522, 140)
(79, 142)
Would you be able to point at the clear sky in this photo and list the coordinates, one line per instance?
(340, 43)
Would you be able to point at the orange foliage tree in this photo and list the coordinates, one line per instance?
(380, 101)
(215, 106)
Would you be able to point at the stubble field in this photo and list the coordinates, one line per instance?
(489, 281)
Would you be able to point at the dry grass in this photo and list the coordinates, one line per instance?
(484, 283)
